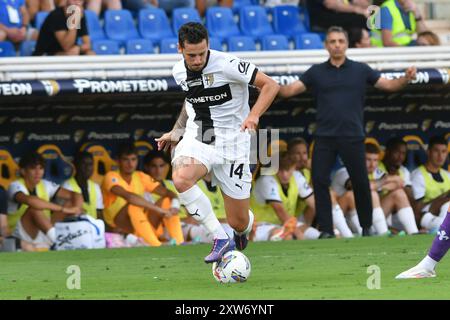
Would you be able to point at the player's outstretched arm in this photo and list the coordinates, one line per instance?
(170, 139)
(396, 84)
(293, 89)
(268, 91)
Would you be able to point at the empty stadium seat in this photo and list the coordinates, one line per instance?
(7, 49)
(27, 48)
(286, 21)
(102, 161)
(154, 25)
(105, 47)
(308, 41)
(220, 23)
(181, 16)
(57, 168)
(143, 148)
(241, 43)
(253, 21)
(119, 26)
(215, 44)
(238, 4)
(94, 27)
(275, 42)
(169, 45)
(416, 152)
(140, 46)
(9, 170)
(40, 18)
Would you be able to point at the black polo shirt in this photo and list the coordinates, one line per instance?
(339, 96)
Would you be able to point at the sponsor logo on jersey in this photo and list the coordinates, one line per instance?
(209, 97)
(243, 67)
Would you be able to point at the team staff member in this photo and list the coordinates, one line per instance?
(339, 86)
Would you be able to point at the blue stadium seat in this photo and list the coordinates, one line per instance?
(40, 18)
(275, 42)
(169, 45)
(181, 16)
(57, 168)
(27, 48)
(7, 49)
(119, 26)
(94, 27)
(241, 43)
(140, 46)
(105, 47)
(254, 22)
(286, 21)
(215, 44)
(308, 41)
(238, 4)
(154, 25)
(220, 23)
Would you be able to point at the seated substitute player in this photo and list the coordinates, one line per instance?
(157, 166)
(274, 200)
(216, 120)
(431, 185)
(126, 209)
(342, 185)
(82, 184)
(31, 211)
(298, 149)
(396, 201)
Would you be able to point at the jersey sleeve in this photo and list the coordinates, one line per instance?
(51, 187)
(372, 75)
(66, 185)
(418, 184)
(15, 188)
(149, 184)
(339, 181)
(304, 189)
(306, 78)
(111, 179)
(267, 189)
(178, 72)
(239, 70)
(406, 177)
(98, 193)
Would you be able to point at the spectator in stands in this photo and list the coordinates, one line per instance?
(396, 200)
(82, 184)
(400, 21)
(31, 204)
(169, 5)
(274, 3)
(275, 198)
(203, 5)
(136, 5)
(359, 38)
(340, 109)
(98, 5)
(428, 38)
(35, 6)
(4, 231)
(431, 186)
(123, 195)
(61, 31)
(347, 14)
(157, 166)
(14, 21)
(342, 185)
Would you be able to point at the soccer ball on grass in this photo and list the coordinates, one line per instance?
(234, 267)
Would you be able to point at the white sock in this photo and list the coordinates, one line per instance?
(428, 263)
(340, 223)
(429, 221)
(199, 207)
(379, 221)
(311, 233)
(51, 234)
(354, 220)
(406, 218)
(251, 218)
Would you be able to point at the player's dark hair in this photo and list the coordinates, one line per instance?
(286, 161)
(336, 29)
(156, 154)
(394, 143)
(294, 142)
(436, 140)
(80, 156)
(354, 36)
(31, 159)
(126, 149)
(372, 148)
(192, 32)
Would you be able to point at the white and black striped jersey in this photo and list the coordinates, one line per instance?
(216, 97)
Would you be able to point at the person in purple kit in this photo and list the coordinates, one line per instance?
(440, 246)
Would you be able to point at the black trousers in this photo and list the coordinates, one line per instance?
(352, 152)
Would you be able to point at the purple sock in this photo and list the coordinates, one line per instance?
(441, 243)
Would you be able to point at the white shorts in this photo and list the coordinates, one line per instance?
(41, 240)
(233, 176)
(263, 231)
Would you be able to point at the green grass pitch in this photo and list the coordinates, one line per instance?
(321, 269)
